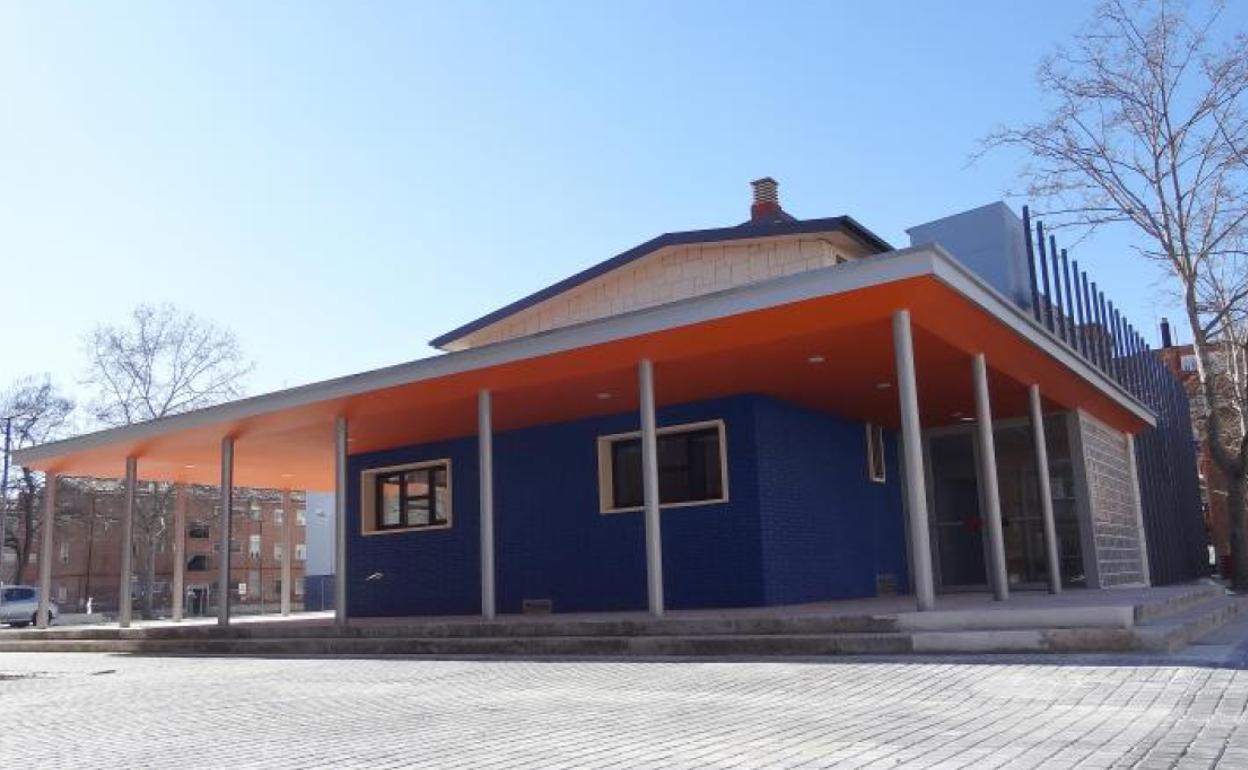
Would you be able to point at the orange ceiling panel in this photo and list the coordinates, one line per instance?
(768, 351)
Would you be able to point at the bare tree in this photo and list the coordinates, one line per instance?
(163, 362)
(1148, 128)
(40, 413)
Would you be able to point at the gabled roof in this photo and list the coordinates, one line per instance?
(744, 231)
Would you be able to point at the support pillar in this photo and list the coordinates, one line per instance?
(989, 493)
(912, 448)
(46, 536)
(224, 529)
(485, 448)
(1041, 446)
(179, 550)
(124, 600)
(288, 550)
(340, 521)
(650, 490)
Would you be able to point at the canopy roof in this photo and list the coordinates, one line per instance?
(820, 338)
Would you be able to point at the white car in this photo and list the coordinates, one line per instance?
(20, 604)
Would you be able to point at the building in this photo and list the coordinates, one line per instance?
(88, 536)
(776, 412)
(1181, 360)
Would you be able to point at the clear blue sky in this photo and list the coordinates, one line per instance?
(340, 183)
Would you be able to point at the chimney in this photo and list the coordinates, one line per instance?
(1166, 340)
(766, 206)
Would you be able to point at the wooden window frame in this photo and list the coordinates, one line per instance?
(370, 491)
(606, 464)
(877, 472)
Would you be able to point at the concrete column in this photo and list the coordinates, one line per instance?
(224, 527)
(46, 536)
(650, 490)
(124, 602)
(1041, 446)
(989, 494)
(485, 449)
(288, 550)
(340, 521)
(179, 549)
(912, 462)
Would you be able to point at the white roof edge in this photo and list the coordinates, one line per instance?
(915, 261)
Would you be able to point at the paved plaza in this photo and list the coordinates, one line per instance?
(94, 710)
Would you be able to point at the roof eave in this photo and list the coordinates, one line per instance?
(845, 224)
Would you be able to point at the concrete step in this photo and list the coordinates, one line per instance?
(752, 645)
(468, 627)
(1033, 618)
(1197, 593)
(1171, 633)
(1032, 640)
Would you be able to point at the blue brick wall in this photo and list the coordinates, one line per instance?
(824, 531)
(827, 530)
(435, 572)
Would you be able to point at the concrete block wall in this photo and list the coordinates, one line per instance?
(671, 274)
(1117, 539)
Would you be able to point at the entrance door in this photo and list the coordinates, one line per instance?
(1022, 519)
(959, 538)
(959, 532)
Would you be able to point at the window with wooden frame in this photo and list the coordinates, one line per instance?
(875, 454)
(693, 467)
(406, 498)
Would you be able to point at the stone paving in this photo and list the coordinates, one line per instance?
(92, 710)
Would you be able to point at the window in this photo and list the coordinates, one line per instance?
(278, 551)
(197, 531)
(692, 467)
(242, 590)
(277, 587)
(299, 586)
(253, 546)
(301, 552)
(62, 595)
(1188, 363)
(875, 453)
(407, 497)
(19, 594)
(301, 517)
(278, 515)
(64, 552)
(197, 563)
(253, 582)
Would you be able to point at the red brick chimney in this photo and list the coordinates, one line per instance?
(766, 206)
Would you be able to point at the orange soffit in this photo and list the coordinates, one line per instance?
(830, 352)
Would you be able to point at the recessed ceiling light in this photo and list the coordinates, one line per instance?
(968, 419)
(188, 467)
(604, 396)
(816, 359)
(883, 385)
(956, 414)
(288, 475)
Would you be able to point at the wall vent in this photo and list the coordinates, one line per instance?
(536, 606)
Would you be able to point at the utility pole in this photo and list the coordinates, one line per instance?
(4, 490)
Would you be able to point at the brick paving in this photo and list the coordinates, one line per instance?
(89, 710)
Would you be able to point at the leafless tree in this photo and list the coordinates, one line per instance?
(163, 362)
(40, 413)
(1148, 127)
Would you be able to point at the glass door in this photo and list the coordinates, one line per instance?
(957, 524)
